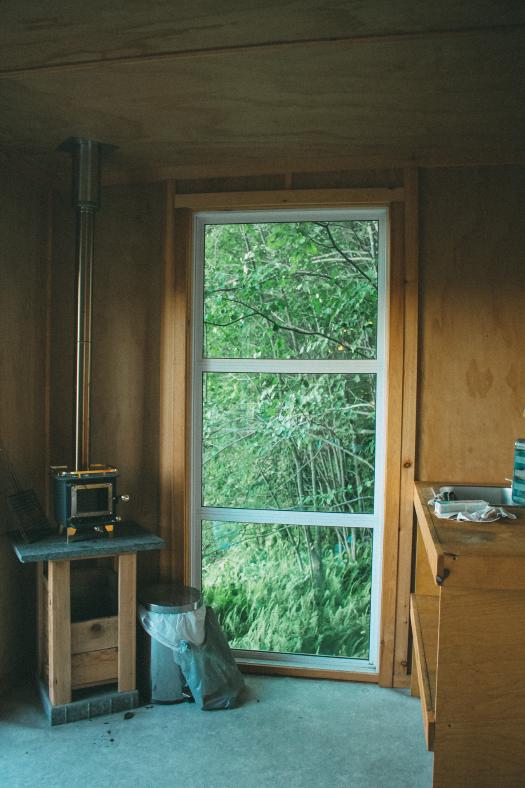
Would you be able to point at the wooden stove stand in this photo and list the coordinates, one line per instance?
(91, 653)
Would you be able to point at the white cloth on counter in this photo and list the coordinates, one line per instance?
(489, 514)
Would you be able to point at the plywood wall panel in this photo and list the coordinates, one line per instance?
(126, 333)
(22, 384)
(62, 331)
(472, 287)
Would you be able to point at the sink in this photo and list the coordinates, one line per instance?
(495, 496)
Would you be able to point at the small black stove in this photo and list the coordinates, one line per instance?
(86, 501)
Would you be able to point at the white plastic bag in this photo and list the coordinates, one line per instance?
(172, 628)
(210, 670)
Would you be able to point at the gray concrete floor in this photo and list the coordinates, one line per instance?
(289, 732)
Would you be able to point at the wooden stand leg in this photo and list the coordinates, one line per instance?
(59, 618)
(41, 618)
(127, 582)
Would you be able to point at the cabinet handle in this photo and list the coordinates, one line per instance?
(440, 579)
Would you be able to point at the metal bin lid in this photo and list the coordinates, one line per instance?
(170, 598)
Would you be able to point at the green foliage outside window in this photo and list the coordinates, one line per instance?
(304, 290)
(267, 585)
(294, 441)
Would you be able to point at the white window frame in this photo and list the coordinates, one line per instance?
(377, 366)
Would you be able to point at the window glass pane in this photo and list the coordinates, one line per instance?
(290, 588)
(289, 290)
(289, 441)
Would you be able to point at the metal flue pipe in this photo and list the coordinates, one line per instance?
(87, 155)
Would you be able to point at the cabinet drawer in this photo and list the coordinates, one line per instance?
(94, 667)
(94, 635)
(94, 652)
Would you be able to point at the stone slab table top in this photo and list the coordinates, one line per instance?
(129, 538)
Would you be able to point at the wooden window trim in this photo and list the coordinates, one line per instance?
(175, 388)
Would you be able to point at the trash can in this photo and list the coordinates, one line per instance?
(166, 611)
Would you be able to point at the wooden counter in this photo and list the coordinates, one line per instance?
(468, 626)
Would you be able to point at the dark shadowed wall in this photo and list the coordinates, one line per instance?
(23, 276)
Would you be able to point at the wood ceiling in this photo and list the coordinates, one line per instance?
(187, 87)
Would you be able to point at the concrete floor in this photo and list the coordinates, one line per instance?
(289, 732)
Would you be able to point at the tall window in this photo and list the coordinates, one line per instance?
(288, 431)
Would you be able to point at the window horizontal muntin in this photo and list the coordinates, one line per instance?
(289, 516)
(296, 365)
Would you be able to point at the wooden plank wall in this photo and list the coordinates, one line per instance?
(22, 395)
(472, 323)
(175, 389)
(476, 211)
(471, 391)
(456, 205)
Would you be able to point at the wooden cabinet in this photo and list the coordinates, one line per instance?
(468, 627)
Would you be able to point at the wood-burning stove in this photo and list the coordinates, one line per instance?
(86, 501)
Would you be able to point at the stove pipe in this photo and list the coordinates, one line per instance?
(87, 155)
